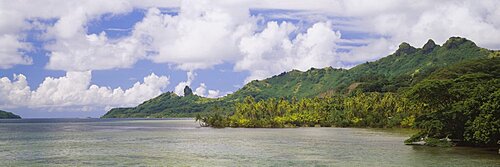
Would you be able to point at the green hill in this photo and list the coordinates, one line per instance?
(393, 73)
(166, 105)
(8, 115)
(405, 67)
(457, 103)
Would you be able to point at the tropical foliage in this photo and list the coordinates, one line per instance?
(358, 110)
(460, 103)
(449, 92)
(406, 67)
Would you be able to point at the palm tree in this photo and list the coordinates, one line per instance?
(198, 118)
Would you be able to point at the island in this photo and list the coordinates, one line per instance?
(8, 115)
(450, 93)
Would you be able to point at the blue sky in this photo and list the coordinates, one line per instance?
(87, 57)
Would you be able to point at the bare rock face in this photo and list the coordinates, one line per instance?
(188, 91)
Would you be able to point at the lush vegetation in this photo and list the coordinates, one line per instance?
(167, 105)
(8, 115)
(358, 110)
(458, 103)
(449, 92)
(462, 102)
(406, 67)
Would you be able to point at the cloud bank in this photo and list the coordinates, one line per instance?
(271, 51)
(75, 90)
(262, 38)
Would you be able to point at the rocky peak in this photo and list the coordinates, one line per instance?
(405, 48)
(429, 46)
(454, 42)
(188, 91)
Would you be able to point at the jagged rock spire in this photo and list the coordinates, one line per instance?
(188, 91)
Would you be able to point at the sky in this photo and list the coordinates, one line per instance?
(72, 58)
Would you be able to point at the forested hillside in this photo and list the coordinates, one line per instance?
(460, 102)
(393, 73)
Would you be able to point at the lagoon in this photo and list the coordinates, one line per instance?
(182, 142)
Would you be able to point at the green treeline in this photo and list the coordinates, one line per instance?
(460, 102)
(359, 110)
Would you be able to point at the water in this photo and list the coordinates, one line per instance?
(129, 142)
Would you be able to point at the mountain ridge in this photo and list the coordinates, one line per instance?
(405, 67)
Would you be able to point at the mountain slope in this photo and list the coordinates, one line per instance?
(8, 115)
(167, 104)
(404, 68)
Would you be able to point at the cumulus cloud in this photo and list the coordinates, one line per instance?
(203, 34)
(453, 19)
(75, 50)
(272, 51)
(11, 51)
(12, 47)
(70, 47)
(387, 23)
(213, 94)
(416, 22)
(94, 52)
(74, 90)
(16, 91)
(202, 91)
(206, 33)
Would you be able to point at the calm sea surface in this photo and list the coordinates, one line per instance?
(132, 142)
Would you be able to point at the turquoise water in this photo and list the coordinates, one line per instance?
(119, 142)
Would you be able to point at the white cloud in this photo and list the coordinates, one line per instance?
(10, 51)
(271, 51)
(70, 47)
(374, 49)
(203, 34)
(75, 90)
(75, 50)
(94, 52)
(12, 47)
(213, 94)
(215, 28)
(16, 91)
(202, 91)
(207, 33)
(395, 21)
(416, 22)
